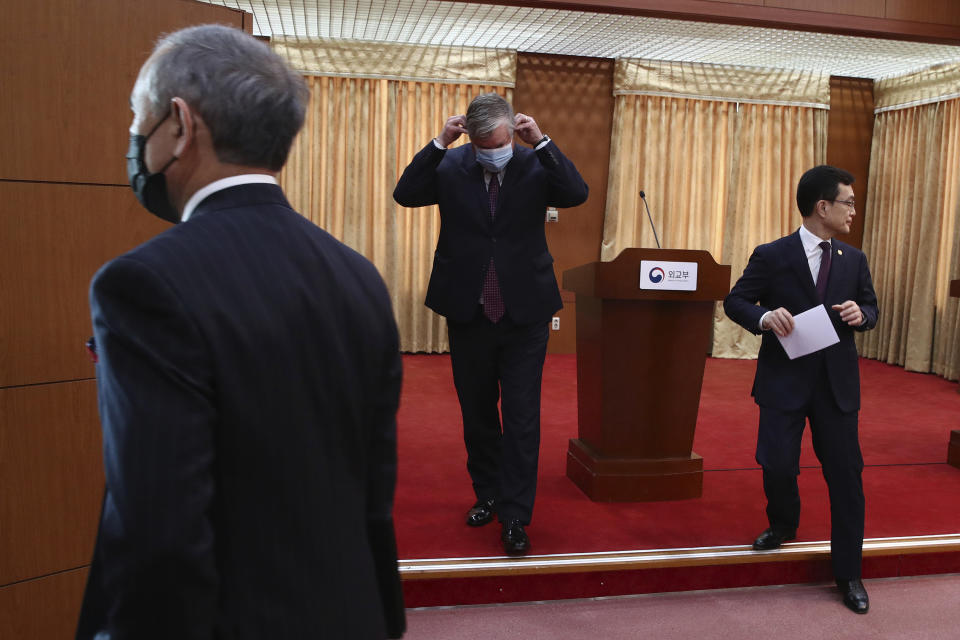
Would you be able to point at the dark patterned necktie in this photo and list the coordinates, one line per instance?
(824, 270)
(492, 300)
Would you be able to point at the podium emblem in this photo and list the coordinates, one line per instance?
(670, 276)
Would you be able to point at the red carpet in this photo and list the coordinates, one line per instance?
(905, 425)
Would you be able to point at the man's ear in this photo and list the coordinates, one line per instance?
(186, 125)
(820, 208)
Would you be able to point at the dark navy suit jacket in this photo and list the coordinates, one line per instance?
(248, 380)
(468, 238)
(778, 275)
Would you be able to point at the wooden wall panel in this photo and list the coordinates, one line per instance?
(69, 66)
(42, 609)
(932, 11)
(849, 17)
(572, 100)
(849, 138)
(55, 237)
(565, 340)
(866, 8)
(52, 478)
(66, 71)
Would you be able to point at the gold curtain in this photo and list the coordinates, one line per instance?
(913, 239)
(359, 135)
(666, 147)
(937, 83)
(719, 176)
(771, 148)
(389, 61)
(721, 82)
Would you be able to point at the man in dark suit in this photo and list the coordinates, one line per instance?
(783, 278)
(493, 280)
(248, 379)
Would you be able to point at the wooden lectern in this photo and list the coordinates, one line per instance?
(640, 360)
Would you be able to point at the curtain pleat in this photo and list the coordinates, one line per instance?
(771, 148)
(656, 141)
(718, 175)
(912, 238)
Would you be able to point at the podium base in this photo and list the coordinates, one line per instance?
(606, 479)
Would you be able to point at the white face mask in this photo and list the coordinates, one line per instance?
(494, 160)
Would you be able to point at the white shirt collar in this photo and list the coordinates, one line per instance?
(220, 185)
(811, 243)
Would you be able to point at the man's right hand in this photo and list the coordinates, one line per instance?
(455, 126)
(780, 321)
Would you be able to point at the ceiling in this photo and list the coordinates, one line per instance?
(579, 33)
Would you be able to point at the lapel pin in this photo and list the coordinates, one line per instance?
(839, 252)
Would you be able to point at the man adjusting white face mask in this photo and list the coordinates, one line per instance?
(494, 160)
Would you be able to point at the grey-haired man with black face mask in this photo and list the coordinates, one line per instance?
(493, 280)
(248, 379)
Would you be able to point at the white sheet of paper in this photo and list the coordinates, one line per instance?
(812, 331)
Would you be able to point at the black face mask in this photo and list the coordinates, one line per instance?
(150, 188)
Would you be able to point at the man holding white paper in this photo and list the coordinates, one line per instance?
(784, 278)
(812, 331)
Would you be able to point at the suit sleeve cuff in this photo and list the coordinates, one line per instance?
(762, 318)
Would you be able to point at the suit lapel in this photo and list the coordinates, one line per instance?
(798, 261)
(476, 187)
(511, 178)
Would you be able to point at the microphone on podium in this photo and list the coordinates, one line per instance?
(643, 197)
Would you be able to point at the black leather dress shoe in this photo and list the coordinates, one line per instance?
(481, 513)
(515, 540)
(854, 595)
(772, 539)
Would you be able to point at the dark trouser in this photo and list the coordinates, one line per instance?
(500, 362)
(837, 446)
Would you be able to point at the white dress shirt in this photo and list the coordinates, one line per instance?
(220, 185)
(811, 247)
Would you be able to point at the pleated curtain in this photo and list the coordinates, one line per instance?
(718, 151)
(911, 233)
